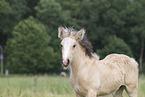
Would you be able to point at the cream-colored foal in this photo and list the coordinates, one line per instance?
(91, 77)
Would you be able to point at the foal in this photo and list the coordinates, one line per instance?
(91, 77)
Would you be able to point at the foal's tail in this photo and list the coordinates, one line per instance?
(135, 62)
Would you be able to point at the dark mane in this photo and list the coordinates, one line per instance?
(87, 46)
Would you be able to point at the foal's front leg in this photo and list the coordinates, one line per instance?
(91, 93)
(77, 95)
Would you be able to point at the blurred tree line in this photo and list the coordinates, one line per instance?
(28, 30)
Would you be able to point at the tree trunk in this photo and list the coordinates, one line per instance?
(141, 54)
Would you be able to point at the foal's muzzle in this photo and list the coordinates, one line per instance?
(66, 63)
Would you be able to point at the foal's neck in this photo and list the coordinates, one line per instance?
(79, 59)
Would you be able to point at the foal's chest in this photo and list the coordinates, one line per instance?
(79, 86)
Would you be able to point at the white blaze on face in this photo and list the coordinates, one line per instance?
(67, 48)
(69, 39)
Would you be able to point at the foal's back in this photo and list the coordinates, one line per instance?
(119, 70)
(121, 62)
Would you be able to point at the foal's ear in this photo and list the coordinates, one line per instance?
(61, 32)
(80, 34)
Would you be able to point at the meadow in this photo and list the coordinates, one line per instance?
(45, 86)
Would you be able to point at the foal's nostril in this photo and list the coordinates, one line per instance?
(68, 61)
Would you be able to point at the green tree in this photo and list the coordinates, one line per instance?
(11, 12)
(20, 8)
(5, 18)
(28, 50)
(134, 19)
(50, 13)
(114, 44)
(139, 29)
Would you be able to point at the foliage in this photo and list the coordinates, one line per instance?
(28, 50)
(20, 8)
(114, 45)
(103, 20)
(5, 17)
(50, 12)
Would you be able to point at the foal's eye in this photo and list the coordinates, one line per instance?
(61, 45)
(74, 46)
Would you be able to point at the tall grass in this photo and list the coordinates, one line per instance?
(45, 86)
(141, 89)
(31, 86)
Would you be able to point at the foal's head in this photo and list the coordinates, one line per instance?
(70, 40)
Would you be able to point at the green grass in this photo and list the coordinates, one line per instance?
(47, 86)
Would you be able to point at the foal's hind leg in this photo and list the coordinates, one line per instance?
(119, 92)
(131, 91)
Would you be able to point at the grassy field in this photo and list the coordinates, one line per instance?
(44, 86)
